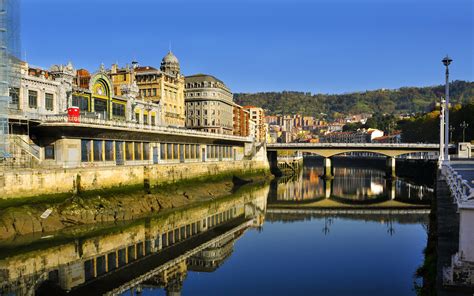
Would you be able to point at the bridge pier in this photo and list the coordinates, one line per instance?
(391, 188)
(327, 188)
(390, 168)
(328, 169)
(273, 161)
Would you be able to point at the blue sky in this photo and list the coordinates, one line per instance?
(321, 46)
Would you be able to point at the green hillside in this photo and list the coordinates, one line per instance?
(403, 100)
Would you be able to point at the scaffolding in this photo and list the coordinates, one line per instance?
(9, 64)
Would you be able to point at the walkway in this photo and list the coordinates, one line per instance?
(455, 211)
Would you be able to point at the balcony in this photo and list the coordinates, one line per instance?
(94, 122)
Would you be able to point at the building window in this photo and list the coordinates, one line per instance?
(100, 105)
(169, 151)
(129, 150)
(153, 120)
(146, 151)
(86, 154)
(176, 151)
(154, 92)
(187, 148)
(98, 150)
(137, 117)
(14, 96)
(49, 152)
(109, 150)
(32, 99)
(145, 118)
(198, 151)
(48, 101)
(138, 151)
(81, 102)
(162, 151)
(118, 110)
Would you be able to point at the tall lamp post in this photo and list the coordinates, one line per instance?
(451, 130)
(441, 134)
(446, 61)
(464, 125)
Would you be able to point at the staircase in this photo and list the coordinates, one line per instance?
(20, 155)
(30, 149)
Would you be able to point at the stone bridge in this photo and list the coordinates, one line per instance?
(327, 150)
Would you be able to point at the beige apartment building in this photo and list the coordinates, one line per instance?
(209, 104)
(258, 117)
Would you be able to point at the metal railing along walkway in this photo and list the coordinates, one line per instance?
(461, 189)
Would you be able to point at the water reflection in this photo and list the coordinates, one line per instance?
(223, 247)
(153, 252)
(350, 185)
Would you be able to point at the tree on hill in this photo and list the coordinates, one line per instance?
(398, 101)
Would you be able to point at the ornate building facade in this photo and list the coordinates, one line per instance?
(209, 104)
(164, 86)
(41, 92)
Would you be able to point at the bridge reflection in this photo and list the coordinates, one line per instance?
(153, 252)
(351, 186)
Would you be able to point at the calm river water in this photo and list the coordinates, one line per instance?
(319, 251)
(358, 234)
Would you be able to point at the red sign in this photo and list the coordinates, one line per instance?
(73, 114)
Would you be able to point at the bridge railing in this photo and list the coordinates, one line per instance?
(343, 145)
(460, 188)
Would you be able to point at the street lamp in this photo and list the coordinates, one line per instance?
(446, 61)
(464, 125)
(441, 133)
(451, 129)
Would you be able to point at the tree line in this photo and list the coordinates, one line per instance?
(423, 128)
(405, 100)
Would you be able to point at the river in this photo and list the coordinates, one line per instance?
(357, 234)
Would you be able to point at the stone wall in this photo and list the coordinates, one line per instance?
(34, 182)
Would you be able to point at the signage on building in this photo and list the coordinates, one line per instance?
(73, 114)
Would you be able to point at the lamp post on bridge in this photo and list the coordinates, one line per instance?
(451, 130)
(441, 134)
(446, 62)
(464, 125)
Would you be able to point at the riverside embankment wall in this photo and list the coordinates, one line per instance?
(34, 182)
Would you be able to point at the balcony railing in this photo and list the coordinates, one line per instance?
(139, 127)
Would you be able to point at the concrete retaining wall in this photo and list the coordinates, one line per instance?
(33, 182)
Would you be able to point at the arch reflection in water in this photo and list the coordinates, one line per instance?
(152, 252)
(350, 185)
